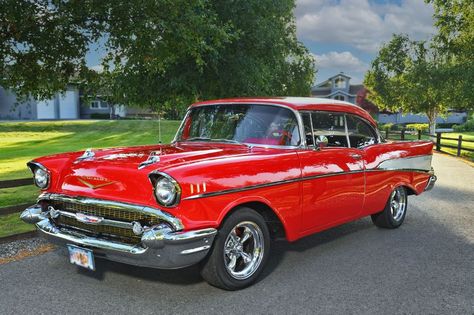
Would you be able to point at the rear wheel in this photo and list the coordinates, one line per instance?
(395, 210)
(240, 251)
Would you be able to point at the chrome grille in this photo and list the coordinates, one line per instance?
(124, 234)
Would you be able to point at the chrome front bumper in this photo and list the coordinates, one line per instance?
(160, 246)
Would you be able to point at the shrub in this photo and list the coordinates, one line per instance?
(387, 126)
(417, 126)
(100, 116)
(467, 126)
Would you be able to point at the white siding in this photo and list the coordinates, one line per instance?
(69, 105)
(46, 109)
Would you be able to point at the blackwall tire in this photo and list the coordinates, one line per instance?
(395, 210)
(240, 251)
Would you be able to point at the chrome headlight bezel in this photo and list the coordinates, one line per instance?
(39, 171)
(162, 181)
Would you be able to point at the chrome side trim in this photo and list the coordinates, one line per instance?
(162, 215)
(421, 162)
(293, 180)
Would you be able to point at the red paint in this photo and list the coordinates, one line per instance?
(304, 206)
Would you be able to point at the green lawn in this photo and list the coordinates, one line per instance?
(465, 136)
(454, 135)
(22, 141)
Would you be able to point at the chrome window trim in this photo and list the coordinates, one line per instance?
(81, 200)
(374, 130)
(295, 112)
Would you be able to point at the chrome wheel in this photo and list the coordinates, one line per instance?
(398, 203)
(243, 250)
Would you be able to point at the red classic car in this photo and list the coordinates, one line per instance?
(239, 173)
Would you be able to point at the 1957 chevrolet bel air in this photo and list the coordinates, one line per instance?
(239, 173)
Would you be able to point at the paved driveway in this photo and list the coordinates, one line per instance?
(426, 266)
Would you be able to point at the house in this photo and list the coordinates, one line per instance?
(338, 87)
(66, 105)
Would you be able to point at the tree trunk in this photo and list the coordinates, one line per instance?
(432, 114)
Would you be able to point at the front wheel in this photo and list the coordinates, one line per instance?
(240, 251)
(395, 210)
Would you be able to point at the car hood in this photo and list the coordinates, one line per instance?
(121, 174)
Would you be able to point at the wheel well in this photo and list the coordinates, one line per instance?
(275, 226)
(410, 191)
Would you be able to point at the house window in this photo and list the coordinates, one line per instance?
(99, 105)
(340, 97)
(340, 83)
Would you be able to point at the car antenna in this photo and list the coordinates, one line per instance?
(159, 127)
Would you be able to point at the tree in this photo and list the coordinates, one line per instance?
(455, 39)
(408, 75)
(43, 44)
(164, 52)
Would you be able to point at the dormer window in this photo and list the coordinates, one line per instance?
(339, 98)
(340, 83)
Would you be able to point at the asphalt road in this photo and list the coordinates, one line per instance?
(424, 267)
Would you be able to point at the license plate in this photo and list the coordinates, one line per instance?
(81, 257)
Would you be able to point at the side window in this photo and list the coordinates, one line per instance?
(360, 133)
(323, 124)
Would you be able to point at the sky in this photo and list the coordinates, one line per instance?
(345, 35)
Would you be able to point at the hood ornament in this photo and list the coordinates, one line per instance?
(87, 155)
(152, 159)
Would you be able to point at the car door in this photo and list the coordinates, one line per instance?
(333, 173)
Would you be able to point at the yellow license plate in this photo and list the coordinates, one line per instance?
(81, 257)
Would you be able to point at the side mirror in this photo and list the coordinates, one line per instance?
(321, 142)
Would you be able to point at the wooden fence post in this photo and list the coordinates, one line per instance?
(402, 135)
(438, 141)
(459, 145)
(419, 134)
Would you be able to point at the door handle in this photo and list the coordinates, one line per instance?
(356, 156)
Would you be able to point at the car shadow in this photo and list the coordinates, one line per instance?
(191, 275)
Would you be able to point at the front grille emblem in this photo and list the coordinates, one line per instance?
(88, 219)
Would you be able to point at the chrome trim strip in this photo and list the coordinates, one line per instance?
(195, 250)
(162, 215)
(48, 228)
(293, 180)
(114, 223)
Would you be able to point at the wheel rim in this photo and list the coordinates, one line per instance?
(243, 250)
(398, 203)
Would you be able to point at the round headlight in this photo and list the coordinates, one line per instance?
(41, 178)
(166, 191)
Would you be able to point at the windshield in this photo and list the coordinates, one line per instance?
(241, 123)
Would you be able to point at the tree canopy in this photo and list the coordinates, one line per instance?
(407, 75)
(156, 52)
